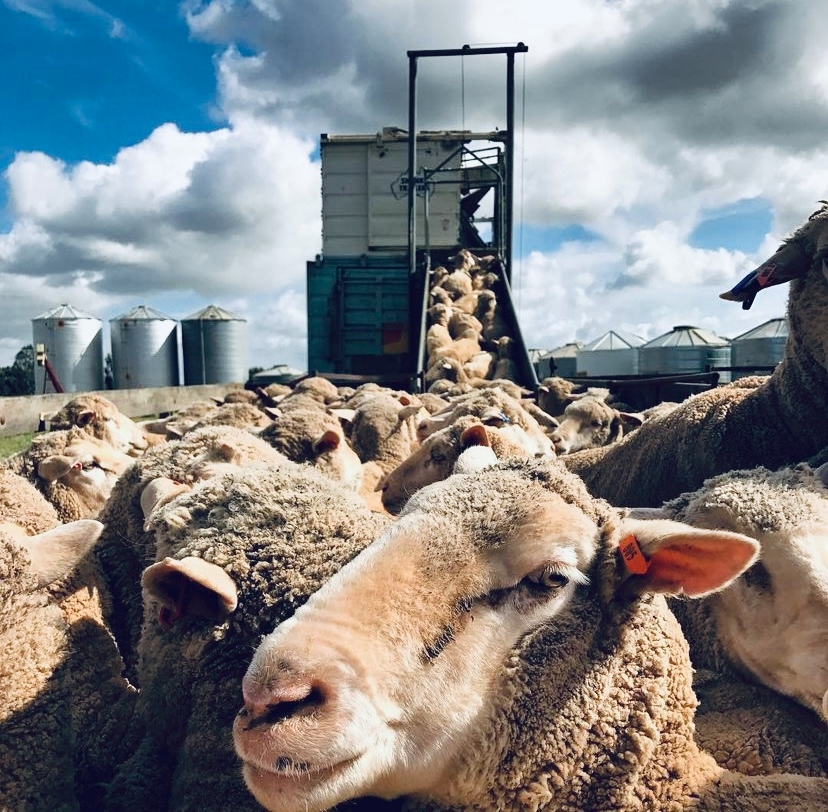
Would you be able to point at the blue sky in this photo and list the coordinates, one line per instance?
(165, 153)
(83, 84)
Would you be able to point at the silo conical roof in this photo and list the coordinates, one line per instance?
(614, 340)
(65, 312)
(143, 313)
(213, 313)
(685, 335)
(566, 350)
(772, 328)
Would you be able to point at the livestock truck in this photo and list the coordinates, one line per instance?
(396, 206)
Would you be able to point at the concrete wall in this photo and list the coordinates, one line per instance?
(24, 414)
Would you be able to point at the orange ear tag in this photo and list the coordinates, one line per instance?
(633, 557)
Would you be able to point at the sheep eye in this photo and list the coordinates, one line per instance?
(546, 578)
(87, 466)
(437, 457)
(596, 424)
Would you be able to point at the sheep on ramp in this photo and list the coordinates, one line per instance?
(779, 422)
(522, 660)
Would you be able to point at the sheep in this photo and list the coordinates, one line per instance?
(447, 388)
(65, 709)
(489, 315)
(468, 303)
(464, 325)
(440, 313)
(233, 556)
(494, 407)
(772, 622)
(242, 396)
(480, 365)
(506, 365)
(438, 296)
(457, 283)
(316, 387)
(523, 660)
(101, 418)
(126, 545)
(36, 741)
(753, 730)
(315, 437)
(435, 459)
(23, 508)
(437, 339)
(74, 470)
(461, 350)
(447, 368)
(176, 425)
(463, 260)
(590, 422)
(779, 422)
(384, 430)
(553, 394)
(241, 415)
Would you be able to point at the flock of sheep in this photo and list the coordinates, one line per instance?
(475, 598)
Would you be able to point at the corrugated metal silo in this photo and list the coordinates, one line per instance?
(562, 361)
(74, 346)
(684, 350)
(763, 346)
(214, 347)
(614, 353)
(144, 349)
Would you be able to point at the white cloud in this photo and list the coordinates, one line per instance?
(229, 213)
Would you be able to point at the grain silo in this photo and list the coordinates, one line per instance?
(562, 361)
(684, 350)
(614, 353)
(214, 347)
(73, 342)
(144, 349)
(759, 348)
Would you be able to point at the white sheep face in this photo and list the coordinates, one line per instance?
(773, 621)
(356, 694)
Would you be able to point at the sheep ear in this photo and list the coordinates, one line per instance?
(661, 555)
(474, 435)
(228, 452)
(53, 468)
(407, 411)
(55, 553)
(345, 416)
(327, 442)
(616, 429)
(159, 492)
(632, 418)
(273, 412)
(86, 417)
(190, 587)
(493, 417)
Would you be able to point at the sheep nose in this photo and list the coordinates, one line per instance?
(271, 704)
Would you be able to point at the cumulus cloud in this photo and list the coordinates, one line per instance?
(221, 214)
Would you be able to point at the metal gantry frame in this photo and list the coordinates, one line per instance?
(509, 143)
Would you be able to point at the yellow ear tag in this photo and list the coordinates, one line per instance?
(633, 557)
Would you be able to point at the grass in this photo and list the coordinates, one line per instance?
(18, 442)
